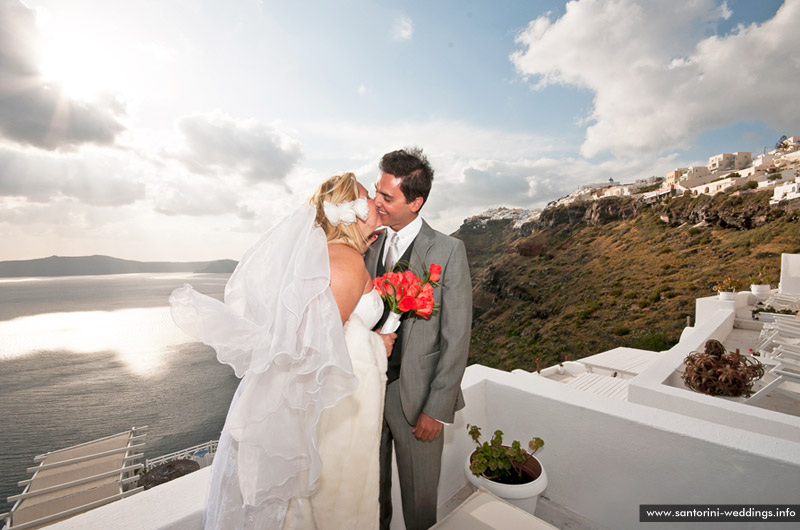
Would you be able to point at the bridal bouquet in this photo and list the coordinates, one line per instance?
(406, 294)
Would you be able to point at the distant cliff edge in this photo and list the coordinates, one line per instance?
(577, 279)
(92, 265)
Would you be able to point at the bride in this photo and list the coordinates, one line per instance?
(299, 448)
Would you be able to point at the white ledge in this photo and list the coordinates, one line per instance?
(174, 505)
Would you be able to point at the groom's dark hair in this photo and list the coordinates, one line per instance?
(412, 167)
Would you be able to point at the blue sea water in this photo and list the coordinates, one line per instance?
(86, 357)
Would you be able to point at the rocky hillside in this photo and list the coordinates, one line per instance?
(583, 278)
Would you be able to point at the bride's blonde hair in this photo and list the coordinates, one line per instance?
(336, 190)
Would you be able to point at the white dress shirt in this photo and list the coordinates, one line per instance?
(406, 236)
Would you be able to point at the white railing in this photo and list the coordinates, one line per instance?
(197, 452)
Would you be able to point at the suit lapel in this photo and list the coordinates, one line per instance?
(371, 258)
(422, 244)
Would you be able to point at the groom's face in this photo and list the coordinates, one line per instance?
(392, 206)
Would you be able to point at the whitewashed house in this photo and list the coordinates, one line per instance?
(696, 172)
(730, 161)
(717, 184)
(623, 190)
(784, 192)
(721, 162)
(743, 159)
(764, 160)
(646, 183)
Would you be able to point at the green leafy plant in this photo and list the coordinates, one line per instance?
(717, 372)
(760, 277)
(755, 312)
(498, 462)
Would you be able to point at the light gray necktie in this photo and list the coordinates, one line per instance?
(392, 252)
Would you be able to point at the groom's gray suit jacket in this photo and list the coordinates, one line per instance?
(434, 351)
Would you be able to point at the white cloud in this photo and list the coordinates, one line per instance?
(474, 185)
(198, 197)
(135, 231)
(37, 113)
(93, 177)
(362, 89)
(170, 209)
(475, 168)
(441, 139)
(659, 79)
(216, 144)
(403, 28)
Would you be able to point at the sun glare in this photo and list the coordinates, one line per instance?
(140, 337)
(78, 58)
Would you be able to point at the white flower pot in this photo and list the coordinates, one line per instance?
(521, 495)
(761, 291)
(725, 295)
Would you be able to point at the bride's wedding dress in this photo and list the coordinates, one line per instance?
(349, 437)
(304, 424)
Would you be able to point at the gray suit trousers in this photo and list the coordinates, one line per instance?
(422, 460)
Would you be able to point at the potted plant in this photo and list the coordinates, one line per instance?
(716, 372)
(560, 369)
(508, 471)
(760, 284)
(727, 288)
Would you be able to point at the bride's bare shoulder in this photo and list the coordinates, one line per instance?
(348, 277)
(347, 263)
(339, 253)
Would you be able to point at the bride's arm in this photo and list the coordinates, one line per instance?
(347, 278)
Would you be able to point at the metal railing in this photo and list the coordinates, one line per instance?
(197, 451)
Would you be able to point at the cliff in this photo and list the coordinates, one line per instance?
(587, 277)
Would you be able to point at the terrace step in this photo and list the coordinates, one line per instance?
(749, 324)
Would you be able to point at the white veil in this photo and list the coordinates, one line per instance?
(280, 330)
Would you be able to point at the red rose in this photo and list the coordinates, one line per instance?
(407, 303)
(392, 277)
(425, 306)
(398, 289)
(412, 282)
(436, 272)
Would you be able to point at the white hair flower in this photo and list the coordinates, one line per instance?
(346, 212)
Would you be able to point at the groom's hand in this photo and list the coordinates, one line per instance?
(427, 428)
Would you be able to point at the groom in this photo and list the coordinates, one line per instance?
(423, 389)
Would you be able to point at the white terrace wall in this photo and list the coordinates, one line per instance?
(659, 387)
(178, 505)
(604, 457)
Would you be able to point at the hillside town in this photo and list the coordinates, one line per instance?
(778, 170)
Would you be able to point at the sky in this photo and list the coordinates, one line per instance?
(181, 130)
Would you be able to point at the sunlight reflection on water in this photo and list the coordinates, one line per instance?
(137, 336)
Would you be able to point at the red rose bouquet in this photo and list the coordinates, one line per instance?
(406, 294)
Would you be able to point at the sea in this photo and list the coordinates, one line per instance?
(83, 357)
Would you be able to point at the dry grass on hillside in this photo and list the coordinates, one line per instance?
(580, 290)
